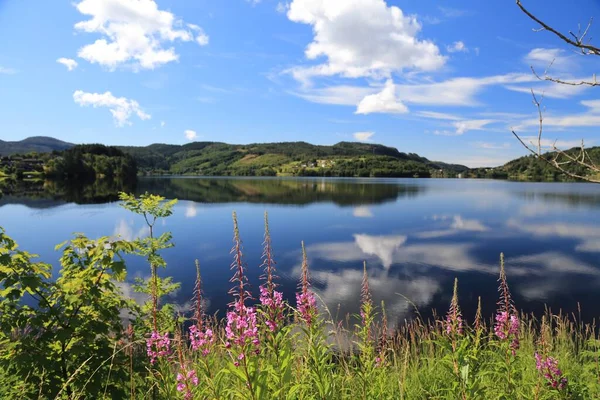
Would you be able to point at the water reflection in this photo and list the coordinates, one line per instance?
(415, 235)
(342, 192)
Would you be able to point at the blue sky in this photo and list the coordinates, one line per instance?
(444, 79)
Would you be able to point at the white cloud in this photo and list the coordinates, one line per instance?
(134, 32)
(589, 118)
(201, 37)
(438, 115)
(382, 102)
(383, 247)
(587, 235)
(341, 95)
(392, 98)
(543, 57)
(362, 212)
(282, 7)
(550, 89)
(190, 134)
(457, 47)
(471, 125)
(67, 62)
(363, 136)
(121, 108)
(362, 38)
(191, 210)
(549, 143)
(162, 124)
(7, 71)
(465, 224)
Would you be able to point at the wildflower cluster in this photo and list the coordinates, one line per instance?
(186, 379)
(549, 368)
(158, 346)
(241, 329)
(201, 340)
(273, 304)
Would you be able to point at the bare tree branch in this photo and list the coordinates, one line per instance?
(554, 161)
(561, 160)
(577, 41)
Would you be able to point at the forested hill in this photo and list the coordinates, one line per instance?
(291, 158)
(531, 168)
(36, 144)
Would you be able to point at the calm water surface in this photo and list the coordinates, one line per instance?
(416, 236)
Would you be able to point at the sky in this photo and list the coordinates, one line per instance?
(448, 79)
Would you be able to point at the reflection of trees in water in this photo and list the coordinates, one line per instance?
(44, 194)
(571, 199)
(278, 191)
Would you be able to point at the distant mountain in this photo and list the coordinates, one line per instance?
(285, 159)
(38, 144)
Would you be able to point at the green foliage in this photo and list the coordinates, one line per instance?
(81, 163)
(294, 158)
(59, 343)
(531, 168)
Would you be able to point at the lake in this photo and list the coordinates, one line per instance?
(416, 236)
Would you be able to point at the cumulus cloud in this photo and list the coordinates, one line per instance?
(362, 38)
(121, 108)
(190, 134)
(457, 47)
(383, 247)
(67, 62)
(382, 102)
(134, 32)
(363, 136)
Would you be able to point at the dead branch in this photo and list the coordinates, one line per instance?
(554, 159)
(577, 41)
(557, 158)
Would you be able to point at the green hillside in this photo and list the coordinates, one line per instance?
(285, 159)
(530, 168)
(36, 144)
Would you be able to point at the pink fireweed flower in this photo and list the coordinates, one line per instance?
(273, 304)
(157, 346)
(548, 367)
(454, 321)
(241, 329)
(184, 381)
(305, 300)
(201, 340)
(307, 306)
(507, 327)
